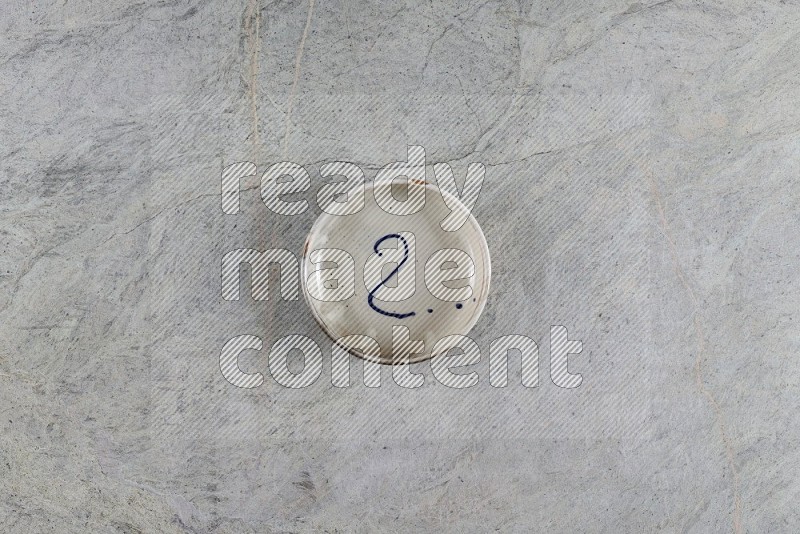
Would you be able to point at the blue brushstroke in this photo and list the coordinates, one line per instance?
(395, 271)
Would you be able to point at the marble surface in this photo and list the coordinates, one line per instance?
(641, 188)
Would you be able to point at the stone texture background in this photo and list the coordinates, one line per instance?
(642, 163)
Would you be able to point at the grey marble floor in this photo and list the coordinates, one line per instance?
(641, 188)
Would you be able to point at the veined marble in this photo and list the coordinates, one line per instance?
(641, 190)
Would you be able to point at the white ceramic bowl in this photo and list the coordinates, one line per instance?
(410, 240)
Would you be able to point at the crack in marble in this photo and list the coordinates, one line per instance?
(698, 363)
(252, 24)
(297, 62)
